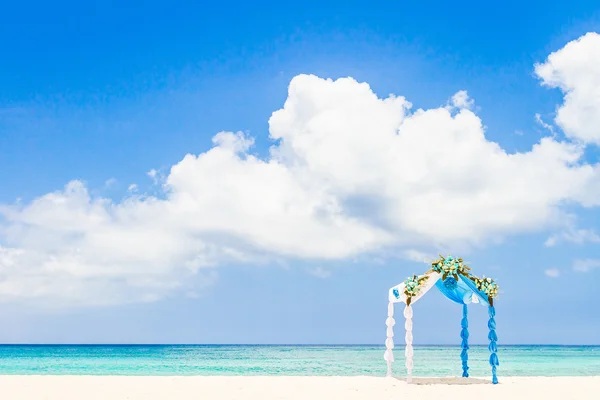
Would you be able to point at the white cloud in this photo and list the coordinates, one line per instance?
(350, 174)
(552, 272)
(574, 69)
(419, 256)
(132, 188)
(156, 176)
(320, 272)
(235, 142)
(462, 100)
(540, 121)
(585, 265)
(578, 236)
(110, 182)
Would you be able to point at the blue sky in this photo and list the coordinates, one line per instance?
(103, 93)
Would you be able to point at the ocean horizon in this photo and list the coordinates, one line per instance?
(289, 360)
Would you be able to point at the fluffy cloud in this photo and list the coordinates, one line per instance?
(320, 272)
(574, 69)
(462, 100)
(586, 265)
(552, 272)
(572, 235)
(349, 174)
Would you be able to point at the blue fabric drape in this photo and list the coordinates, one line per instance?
(455, 290)
(459, 293)
(493, 347)
(483, 299)
(492, 336)
(464, 334)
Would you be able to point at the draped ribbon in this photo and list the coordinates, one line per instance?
(493, 348)
(408, 351)
(460, 293)
(464, 334)
(397, 295)
(389, 342)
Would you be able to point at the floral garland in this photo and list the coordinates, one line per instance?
(450, 266)
(487, 286)
(412, 286)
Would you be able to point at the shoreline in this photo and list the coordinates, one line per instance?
(75, 387)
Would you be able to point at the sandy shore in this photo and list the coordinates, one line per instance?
(313, 388)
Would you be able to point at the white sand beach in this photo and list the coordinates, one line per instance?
(292, 388)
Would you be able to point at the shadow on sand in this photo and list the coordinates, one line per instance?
(447, 381)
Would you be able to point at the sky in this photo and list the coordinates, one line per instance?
(262, 172)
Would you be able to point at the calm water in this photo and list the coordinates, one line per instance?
(290, 360)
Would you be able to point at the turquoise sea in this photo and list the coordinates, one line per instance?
(289, 360)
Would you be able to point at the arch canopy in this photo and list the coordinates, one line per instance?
(454, 279)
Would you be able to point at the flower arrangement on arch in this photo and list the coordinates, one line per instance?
(450, 266)
(412, 286)
(486, 285)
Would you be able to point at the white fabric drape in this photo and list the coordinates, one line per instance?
(433, 277)
(408, 351)
(389, 342)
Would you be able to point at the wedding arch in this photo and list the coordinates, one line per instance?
(454, 279)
